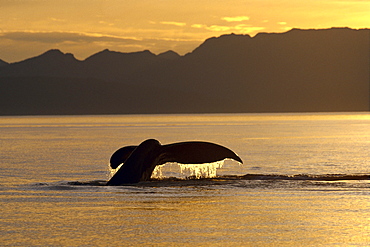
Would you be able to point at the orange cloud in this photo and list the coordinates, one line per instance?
(235, 18)
(179, 24)
(240, 28)
(199, 26)
(217, 28)
(60, 37)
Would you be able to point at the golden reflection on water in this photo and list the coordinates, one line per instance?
(173, 119)
(49, 150)
(142, 217)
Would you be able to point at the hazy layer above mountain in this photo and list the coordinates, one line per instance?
(300, 70)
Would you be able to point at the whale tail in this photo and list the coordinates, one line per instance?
(140, 161)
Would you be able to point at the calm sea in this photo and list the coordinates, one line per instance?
(307, 184)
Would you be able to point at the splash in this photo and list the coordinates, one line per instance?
(111, 171)
(185, 171)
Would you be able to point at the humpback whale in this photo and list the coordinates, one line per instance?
(139, 161)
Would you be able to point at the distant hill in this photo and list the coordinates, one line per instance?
(3, 63)
(169, 55)
(296, 71)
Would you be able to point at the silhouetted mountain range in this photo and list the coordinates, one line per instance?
(296, 71)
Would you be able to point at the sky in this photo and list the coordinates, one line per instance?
(83, 27)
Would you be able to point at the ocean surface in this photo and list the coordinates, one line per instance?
(304, 182)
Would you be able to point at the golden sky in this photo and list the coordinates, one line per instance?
(83, 27)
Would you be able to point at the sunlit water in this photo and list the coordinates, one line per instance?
(51, 169)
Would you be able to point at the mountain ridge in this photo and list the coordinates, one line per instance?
(258, 35)
(299, 70)
(3, 63)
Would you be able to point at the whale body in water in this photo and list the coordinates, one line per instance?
(139, 161)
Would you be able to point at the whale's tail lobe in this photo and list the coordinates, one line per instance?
(195, 152)
(120, 156)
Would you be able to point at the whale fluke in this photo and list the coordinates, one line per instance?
(120, 156)
(196, 153)
(139, 161)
